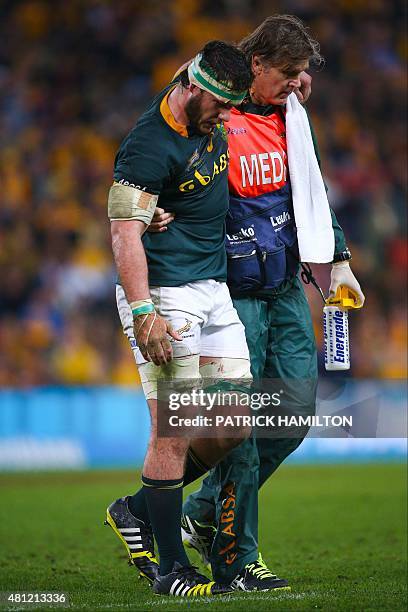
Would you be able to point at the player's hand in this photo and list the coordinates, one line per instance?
(160, 220)
(152, 336)
(305, 89)
(341, 274)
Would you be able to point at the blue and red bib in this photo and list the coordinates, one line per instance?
(261, 239)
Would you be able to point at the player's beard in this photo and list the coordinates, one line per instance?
(193, 110)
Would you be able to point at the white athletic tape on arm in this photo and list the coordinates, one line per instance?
(151, 327)
(126, 203)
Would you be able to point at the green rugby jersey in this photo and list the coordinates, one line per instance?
(189, 172)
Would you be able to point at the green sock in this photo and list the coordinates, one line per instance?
(164, 499)
(194, 469)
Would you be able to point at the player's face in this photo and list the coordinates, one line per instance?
(272, 85)
(204, 111)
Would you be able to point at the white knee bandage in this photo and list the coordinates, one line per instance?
(226, 368)
(178, 369)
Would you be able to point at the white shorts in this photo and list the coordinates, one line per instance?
(201, 312)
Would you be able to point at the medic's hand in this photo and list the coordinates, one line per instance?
(341, 274)
(151, 333)
(305, 89)
(160, 220)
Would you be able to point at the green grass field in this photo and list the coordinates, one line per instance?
(338, 533)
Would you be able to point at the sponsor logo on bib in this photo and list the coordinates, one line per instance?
(280, 219)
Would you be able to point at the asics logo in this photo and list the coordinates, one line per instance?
(236, 130)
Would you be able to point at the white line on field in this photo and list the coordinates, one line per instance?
(259, 596)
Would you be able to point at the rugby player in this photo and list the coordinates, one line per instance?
(176, 157)
(269, 299)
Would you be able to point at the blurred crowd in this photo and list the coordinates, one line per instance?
(74, 77)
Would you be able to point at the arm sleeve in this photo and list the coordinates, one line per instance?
(339, 237)
(340, 244)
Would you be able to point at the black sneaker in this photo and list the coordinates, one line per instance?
(136, 536)
(185, 581)
(257, 577)
(199, 536)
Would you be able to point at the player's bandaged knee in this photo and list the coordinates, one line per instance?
(226, 367)
(183, 369)
(227, 374)
(126, 203)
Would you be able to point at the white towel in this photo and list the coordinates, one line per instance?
(311, 207)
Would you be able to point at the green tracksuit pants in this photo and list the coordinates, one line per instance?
(281, 343)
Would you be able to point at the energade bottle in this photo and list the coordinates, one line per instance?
(335, 326)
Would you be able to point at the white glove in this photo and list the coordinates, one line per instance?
(341, 274)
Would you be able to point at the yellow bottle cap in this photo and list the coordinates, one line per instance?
(345, 298)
